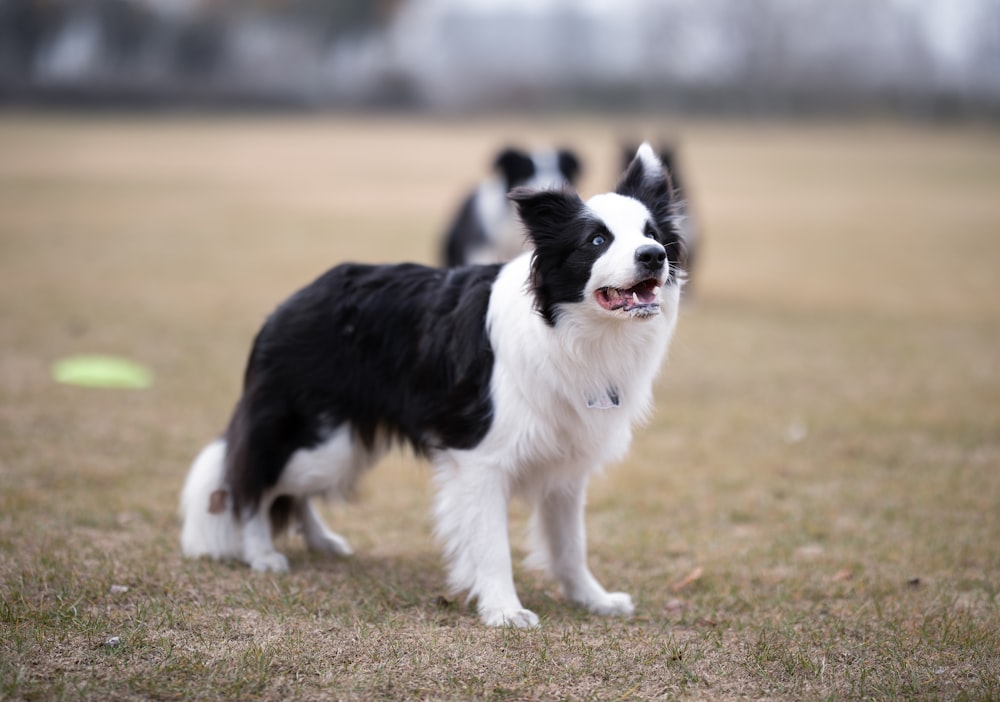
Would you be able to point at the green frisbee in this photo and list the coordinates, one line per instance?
(98, 371)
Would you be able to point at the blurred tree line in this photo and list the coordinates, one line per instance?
(172, 49)
(926, 57)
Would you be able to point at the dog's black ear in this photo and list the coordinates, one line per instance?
(645, 178)
(648, 181)
(551, 220)
(548, 215)
(569, 165)
(514, 165)
(627, 153)
(668, 157)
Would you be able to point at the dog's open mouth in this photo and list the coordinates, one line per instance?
(643, 298)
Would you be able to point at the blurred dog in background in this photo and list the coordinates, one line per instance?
(486, 229)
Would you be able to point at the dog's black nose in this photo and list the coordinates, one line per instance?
(650, 257)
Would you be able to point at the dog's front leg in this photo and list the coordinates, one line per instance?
(471, 511)
(562, 538)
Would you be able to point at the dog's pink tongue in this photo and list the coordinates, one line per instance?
(645, 293)
(613, 298)
(609, 298)
(631, 298)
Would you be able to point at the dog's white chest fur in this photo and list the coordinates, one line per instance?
(566, 396)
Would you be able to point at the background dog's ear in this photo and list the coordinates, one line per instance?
(515, 165)
(648, 181)
(569, 165)
(547, 214)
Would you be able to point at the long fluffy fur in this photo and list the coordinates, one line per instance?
(515, 380)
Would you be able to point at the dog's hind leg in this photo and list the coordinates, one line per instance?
(258, 547)
(560, 544)
(331, 468)
(318, 537)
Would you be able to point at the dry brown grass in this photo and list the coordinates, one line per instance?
(813, 513)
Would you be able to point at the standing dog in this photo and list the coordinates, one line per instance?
(517, 379)
(486, 229)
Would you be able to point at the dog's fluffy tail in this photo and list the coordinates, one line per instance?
(209, 526)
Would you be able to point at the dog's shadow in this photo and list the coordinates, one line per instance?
(393, 581)
(374, 587)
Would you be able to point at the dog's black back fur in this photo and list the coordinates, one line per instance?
(324, 358)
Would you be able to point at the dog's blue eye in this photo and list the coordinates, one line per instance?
(597, 240)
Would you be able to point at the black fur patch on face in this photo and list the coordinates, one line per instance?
(567, 242)
(655, 191)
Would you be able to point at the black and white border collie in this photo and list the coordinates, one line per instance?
(514, 380)
(486, 228)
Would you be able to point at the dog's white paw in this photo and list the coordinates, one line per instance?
(331, 543)
(517, 618)
(612, 604)
(270, 562)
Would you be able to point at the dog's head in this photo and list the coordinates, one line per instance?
(538, 170)
(615, 252)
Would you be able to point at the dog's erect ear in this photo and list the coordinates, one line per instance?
(668, 157)
(648, 181)
(569, 165)
(514, 165)
(548, 215)
(667, 153)
(551, 220)
(645, 179)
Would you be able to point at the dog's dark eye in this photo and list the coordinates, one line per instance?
(597, 240)
(649, 231)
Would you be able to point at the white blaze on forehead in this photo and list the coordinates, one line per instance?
(623, 216)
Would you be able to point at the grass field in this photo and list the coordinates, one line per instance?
(813, 513)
